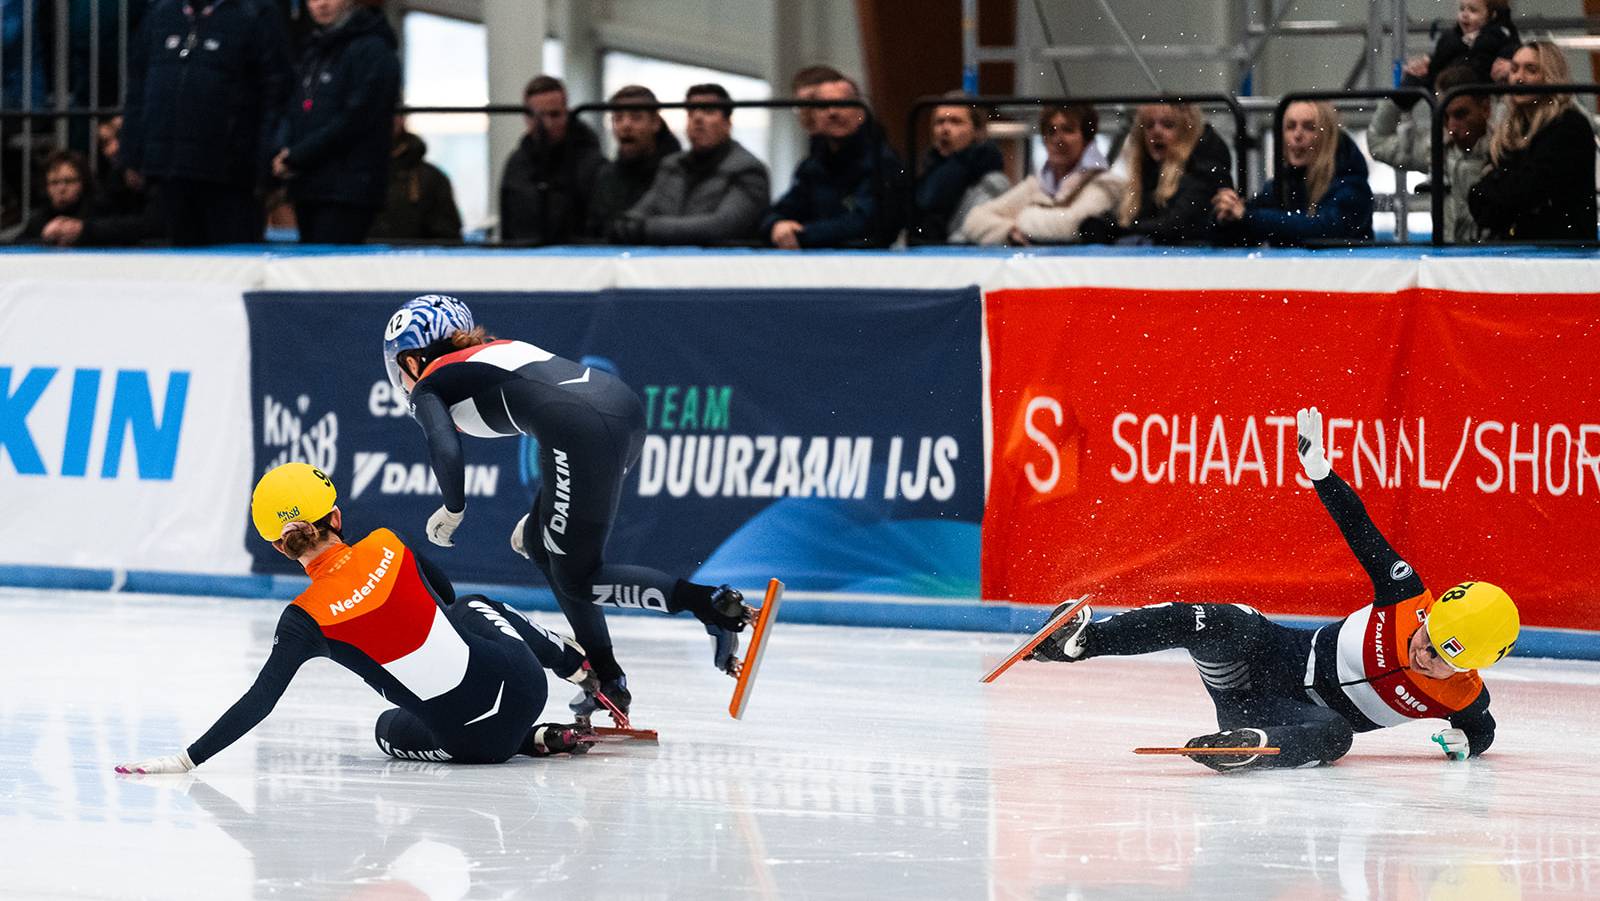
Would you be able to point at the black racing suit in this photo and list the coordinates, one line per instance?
(1311, 690)
(466, 673)
(590, 429)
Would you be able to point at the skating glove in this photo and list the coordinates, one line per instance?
(516, 537)
(173, 763)
(1454, 743)
(443, 524)
(1308, 442)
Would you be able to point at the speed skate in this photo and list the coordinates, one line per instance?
(1036, 638)
(745, 670)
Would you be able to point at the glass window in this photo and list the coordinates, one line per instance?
(669, 81)
(447, 64)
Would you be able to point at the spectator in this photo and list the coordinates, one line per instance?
(421, 205)
(804, 86)
(132, 215)
(206, 90)
(1406, 142)
(961, 170)
(335, 156)
(1074, 184)
(1483, 38)
(1323, 195)
(1540, 183)
(714, 192)
(1176, 162)
(643, 140)
(847, 192)
(544, 192)
(75, 216)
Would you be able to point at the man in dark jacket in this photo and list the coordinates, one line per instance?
(960, 171)
(643, 141)
(335, 154)
(206, 88)
(421, 204)
(544, 191)
(714, 192)
(850, 191)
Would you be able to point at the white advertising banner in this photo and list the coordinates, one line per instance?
(124, 425)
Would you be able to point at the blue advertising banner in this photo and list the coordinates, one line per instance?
(832, 439)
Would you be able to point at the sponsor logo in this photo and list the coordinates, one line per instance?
(1453, 647)
(393, 477)
(1380, 619)
(133, 418)
(1199, 617)
(563, 493)
(298, 438)
(630, 596)
(360, 594)
(1409, 699)
(1400, 571)
(550, 543)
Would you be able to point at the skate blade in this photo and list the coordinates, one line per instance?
(1208, 752)
(617, 733)
(746, 669)
(1036, 639)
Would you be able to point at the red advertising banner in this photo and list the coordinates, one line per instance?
(1144, 445)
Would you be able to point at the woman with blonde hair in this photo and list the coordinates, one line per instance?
(1540, 183)
(1323, 195)
(1175, 163)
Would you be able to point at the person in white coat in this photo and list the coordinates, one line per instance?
(1074, 184)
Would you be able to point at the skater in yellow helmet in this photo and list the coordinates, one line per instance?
(466, 673)
(1404, 657)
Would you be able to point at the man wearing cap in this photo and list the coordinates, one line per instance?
(1404, 657)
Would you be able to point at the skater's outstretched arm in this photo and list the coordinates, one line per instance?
(1393, 580)
(296, 640)
(1476, 724)
(449, 464)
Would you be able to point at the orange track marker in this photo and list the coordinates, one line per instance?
(758, 646)
(1036, 639)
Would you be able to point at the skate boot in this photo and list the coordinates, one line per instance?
(1231, 738)
(1067, 642)
(588, 701)
(728, 617)
(557, 738)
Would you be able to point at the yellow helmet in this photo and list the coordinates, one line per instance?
(1473, 625)
(291, 492)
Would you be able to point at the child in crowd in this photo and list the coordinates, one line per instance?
(1483, 38)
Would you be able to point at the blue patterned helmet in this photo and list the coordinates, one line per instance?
(417, 324)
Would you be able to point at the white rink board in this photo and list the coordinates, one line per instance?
(127, 425)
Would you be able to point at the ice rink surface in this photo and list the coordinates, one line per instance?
(871, 764)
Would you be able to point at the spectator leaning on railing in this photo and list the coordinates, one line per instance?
(544, 191)
(961, 170)
(714, 192)
(421, 205)
(206, 90)
(1176, 163)
(335, 152)
(643, 141)
(1405, 141)
(1540, 183)
(1074, 184)
(1324, 193)
(847, 193)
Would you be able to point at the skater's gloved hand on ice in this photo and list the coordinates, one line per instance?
(1454, 743)
(443, 524)
(1308, 443)
(172, 763)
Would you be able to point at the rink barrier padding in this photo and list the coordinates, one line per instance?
(181, 476)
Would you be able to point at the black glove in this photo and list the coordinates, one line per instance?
(559, 738)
